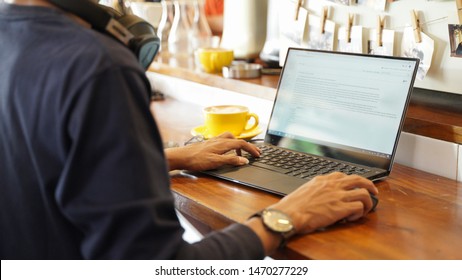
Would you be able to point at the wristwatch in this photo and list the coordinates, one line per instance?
(277, 222)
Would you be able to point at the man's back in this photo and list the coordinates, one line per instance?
(47, 112)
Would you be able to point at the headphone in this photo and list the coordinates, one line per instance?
(134, 32)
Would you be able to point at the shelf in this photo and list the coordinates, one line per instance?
(432, 114)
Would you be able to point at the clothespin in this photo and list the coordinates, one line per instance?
(297, 8)
(351, 18)
(459, 10)
(416, 26)
(323, 19)
(380, 26)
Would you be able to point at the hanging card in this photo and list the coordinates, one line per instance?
(343, 2)
(388, 42)
(317, 39)
(291, 30)
(374, 4)
(455, 39)
(355, 44)
(423, 50)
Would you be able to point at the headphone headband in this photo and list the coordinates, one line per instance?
(87, 10)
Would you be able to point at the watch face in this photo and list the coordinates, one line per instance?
(277, 221)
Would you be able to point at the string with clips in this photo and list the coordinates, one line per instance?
(416, 24)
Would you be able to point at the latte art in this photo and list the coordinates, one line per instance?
(226, 109)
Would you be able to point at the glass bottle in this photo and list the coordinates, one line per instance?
(178, 39)
(165, 24)
(200, 35)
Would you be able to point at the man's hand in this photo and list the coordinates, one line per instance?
(327, 199)
(210, 154)
(319, 203)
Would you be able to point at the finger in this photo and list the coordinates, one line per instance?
(357, 211)
(252, 149)
(336, 174)
(239, 144)
(234, 160)
(355, 181)
(331, 177)
(225, 135)
(362, 196)
(222, 144)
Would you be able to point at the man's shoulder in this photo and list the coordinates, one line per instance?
(103, 51)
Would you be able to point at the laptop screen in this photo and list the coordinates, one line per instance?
(342, 105)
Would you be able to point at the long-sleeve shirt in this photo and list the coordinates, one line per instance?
(82, 168)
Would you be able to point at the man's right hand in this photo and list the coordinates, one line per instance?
(327, 199)
(319, 203)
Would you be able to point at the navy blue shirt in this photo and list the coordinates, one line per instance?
(82, 169)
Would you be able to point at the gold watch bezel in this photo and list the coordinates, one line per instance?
(277, 221)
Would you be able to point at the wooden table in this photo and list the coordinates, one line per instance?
(419, 215)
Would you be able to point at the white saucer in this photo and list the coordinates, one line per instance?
(202, 130)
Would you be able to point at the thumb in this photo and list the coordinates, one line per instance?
(235, 160)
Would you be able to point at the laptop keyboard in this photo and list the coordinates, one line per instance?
(300, 165)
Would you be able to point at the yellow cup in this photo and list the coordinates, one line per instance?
(212, 60)
(232, 118)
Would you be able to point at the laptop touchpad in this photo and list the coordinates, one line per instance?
(262, 178)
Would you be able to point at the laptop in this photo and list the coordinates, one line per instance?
(333, 111)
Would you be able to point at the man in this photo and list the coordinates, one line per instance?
(82, 169)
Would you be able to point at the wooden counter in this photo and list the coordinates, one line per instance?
(433, 114)
(419, 215)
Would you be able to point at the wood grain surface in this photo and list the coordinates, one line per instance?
(419, 215)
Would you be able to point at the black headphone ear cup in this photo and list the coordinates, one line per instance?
(145, 47)
(130, 30)
(145, 43)
(136, 25)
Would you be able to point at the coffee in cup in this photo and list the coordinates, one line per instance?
(212, 60)
(233, 118)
